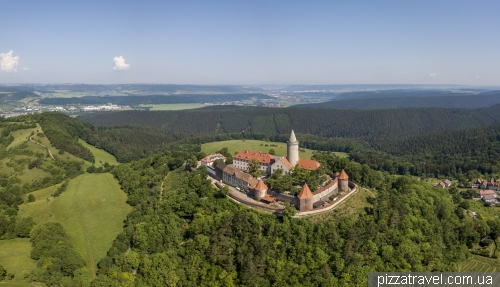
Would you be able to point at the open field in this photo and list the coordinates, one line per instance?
(91, 210)
(100, 155)
(15, 257)
(173, 107)
(477, 263)
(239, 145)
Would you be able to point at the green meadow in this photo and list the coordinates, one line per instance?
(15, 258)
(91, 210)
(100, 155)
(239, 145)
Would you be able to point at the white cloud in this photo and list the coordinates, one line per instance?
(8, 62)
(432, 74)
(477, 77)
(120, 64)
(26, 69)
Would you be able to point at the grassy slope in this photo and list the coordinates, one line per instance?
(91, 210)
(100, 155)
(15, 257)
(238, 145)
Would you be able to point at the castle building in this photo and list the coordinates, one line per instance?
(270, 163)
(343, 181)
(260, 190)
(305, 199)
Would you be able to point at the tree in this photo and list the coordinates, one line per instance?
(23, 226)
(494, 230)
(254, 167)
(271, 151)
(31, 198)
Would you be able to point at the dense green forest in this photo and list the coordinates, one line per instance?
(365, 124)
(466, 101)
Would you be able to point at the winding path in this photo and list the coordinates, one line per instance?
(44, 147)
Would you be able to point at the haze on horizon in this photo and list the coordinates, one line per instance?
(253, 42)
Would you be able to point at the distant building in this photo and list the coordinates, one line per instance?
(209, 159)
(491, 198)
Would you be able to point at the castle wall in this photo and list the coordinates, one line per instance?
(325, 192)
(283, 197)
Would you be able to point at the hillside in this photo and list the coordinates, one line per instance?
(364, 124)
(455, 101)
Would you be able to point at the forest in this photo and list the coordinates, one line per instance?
(465, 101)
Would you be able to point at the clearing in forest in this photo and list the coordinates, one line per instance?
(239, 145)
(15, 258)
(92, 210)
(100, 156)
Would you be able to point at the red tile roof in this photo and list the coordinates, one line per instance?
(305, 192)
(487, 191)
(268, 198)
(308, 164)
(260, 186)
(264, 158)
(286, 162)
(343, 175)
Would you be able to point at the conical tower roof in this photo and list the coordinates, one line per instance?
(292, 137)
(305, 192)
(260, 185)
(343, 175)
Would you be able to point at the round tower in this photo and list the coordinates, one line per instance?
(343, 181)
(305, 198)
(292, 150)
(260, 190)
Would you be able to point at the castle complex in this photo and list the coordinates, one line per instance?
(270, 163)
(235, 175)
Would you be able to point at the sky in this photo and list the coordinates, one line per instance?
(251, 42)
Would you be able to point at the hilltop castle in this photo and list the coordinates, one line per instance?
(270, 163)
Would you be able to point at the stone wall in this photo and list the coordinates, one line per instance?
(238, 196)
(353, 188)
(283, 197)
(325, 192)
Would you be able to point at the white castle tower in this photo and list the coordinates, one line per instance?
(292, 150)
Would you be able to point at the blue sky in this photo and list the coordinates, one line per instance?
(251, 42)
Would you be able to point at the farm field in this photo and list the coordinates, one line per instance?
(239, 145)
(173, 107)
(92, 210)
(100, 155)
(15, 258)
(477, 263)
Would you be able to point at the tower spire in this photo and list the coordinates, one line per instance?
(292, 137)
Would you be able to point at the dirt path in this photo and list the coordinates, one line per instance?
(44, 147)
(86, 233)
(162, 183)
